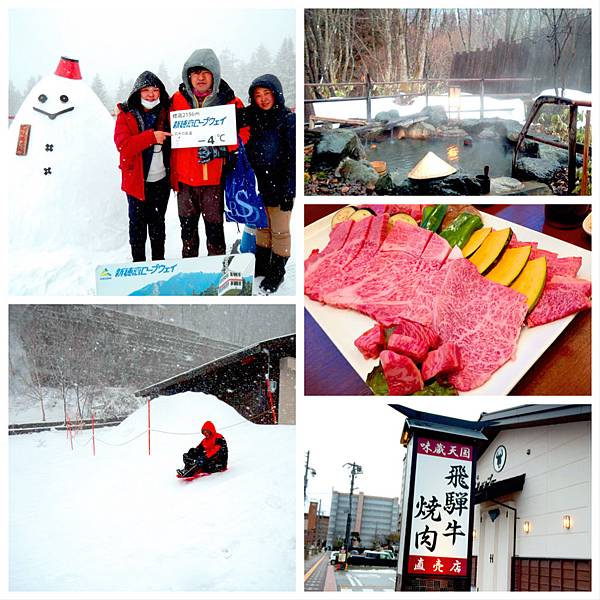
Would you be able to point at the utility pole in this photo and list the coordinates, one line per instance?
(354, 470)
(307, 470)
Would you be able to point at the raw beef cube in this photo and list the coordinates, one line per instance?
(409, 346)
(416, 330)
(371, 342)
(558, 300)
(444, 359)
(401, 373)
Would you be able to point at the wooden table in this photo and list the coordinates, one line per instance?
(563, 370)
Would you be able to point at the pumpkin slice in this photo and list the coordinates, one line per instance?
(531, 281)
(491, 249)
(475, 241)
(510, 265)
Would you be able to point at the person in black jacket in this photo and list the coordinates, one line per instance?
(272, 153)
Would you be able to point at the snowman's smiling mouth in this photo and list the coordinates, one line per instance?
(53, 116)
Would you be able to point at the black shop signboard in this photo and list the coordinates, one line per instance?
(437, 514)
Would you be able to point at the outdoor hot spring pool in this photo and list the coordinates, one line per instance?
(403, 155)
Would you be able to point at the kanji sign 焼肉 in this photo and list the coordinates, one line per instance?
(439, 528)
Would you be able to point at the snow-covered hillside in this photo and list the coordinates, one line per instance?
(121, 521)
(69, 271)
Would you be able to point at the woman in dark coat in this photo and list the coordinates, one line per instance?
(272, 153)
(142, 138)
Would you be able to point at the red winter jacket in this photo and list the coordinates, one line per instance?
(130, 143)
(185, 167)
(209, 443)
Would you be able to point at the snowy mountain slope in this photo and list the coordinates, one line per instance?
(121, 521)
(71, 271)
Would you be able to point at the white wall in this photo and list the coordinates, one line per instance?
(557, 483)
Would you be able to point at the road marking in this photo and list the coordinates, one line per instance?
(313, 568)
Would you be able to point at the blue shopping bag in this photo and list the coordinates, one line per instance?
(243, 203)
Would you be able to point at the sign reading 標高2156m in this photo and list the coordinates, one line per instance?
(197, 127)
(441, 505)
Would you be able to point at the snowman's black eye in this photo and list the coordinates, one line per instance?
(42, 98)
(64, 98)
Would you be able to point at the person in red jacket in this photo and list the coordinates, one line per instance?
(142, 138)
(196, 173)
(209, 456)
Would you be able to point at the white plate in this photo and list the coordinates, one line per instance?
(344, 326)
(587, 224)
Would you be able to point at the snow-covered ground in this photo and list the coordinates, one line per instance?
(568, 93)
(121, 521)
(68, 272)
(468, 107)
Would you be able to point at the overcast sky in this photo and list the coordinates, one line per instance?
(121, 41)
(367, 431)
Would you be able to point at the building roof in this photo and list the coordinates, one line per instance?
(277, 347)
(488, 425)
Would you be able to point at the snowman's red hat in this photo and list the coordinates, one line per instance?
(68, 67)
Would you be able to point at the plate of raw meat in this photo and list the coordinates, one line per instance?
(396, 296)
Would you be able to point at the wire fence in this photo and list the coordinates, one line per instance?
(94, 438)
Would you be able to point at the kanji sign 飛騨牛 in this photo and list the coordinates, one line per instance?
(439, 528)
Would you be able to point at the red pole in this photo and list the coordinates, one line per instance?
(70, 430)
(271, 405)
(93, 437)
(148, 427)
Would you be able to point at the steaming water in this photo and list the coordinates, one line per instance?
(403, 155)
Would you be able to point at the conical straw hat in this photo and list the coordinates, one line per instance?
(431, 166)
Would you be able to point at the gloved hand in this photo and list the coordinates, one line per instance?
(231, 161)
(207, 153)
(286, 204)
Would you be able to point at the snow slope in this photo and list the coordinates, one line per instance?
(65, 272)
(121, 521)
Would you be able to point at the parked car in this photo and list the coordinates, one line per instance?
(333, 557)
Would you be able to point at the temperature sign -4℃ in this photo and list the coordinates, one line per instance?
(211, 126)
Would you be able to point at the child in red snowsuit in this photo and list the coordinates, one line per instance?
(209, 456)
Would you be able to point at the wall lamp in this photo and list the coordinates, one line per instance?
(567, 522)
(526, 526)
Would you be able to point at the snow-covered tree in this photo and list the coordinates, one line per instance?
(164, 76)
(100, 90)
(30, 83)
(284, 66)
(15, 99)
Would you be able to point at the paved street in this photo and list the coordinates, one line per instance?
(366, 579)
(315, 572)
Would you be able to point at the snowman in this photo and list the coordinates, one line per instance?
(66, 209)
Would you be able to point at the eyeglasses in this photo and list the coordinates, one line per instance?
(205, 432)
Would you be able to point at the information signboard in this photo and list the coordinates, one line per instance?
(211, 126)
(228, 275)
(439, 535)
